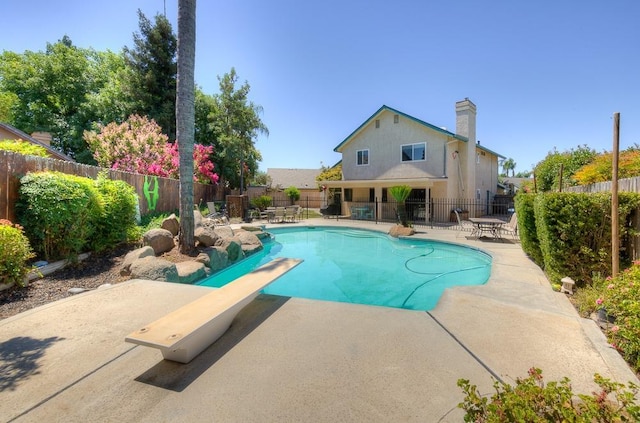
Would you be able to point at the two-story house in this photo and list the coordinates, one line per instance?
(392, 148)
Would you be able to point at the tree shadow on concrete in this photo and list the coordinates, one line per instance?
(19, 359)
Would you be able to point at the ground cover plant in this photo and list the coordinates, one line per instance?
(619, 298)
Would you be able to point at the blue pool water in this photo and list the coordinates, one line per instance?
(364, 267)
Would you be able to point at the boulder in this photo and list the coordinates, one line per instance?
(249, 242)
(218, 258)
(197, 219)
(155, 269)
(206, 236)
(171, 224)
(233, 249)
(134, 255)
(190, 271)
(161, 240)
(224, 232)
(204, 259)
(399, 230)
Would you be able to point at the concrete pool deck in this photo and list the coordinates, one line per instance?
(290, 360)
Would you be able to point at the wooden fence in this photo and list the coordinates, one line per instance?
(624, 185)
(154, 193)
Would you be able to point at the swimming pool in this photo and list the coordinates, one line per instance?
(363, 267)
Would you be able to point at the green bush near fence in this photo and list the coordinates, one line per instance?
(118, 224)
(262, 202)
(527, 227)
(15, 252)
(64, 215)
(572, 235)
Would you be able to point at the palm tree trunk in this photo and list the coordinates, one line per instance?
(185, 118)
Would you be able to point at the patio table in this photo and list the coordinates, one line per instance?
(487, 224)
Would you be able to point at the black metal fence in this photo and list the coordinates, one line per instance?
(431, 212)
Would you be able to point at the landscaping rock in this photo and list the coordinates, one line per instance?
(155, 269)
(190, 271)
(204, 259)
(224, 232)
(233, 249)
(134, 255)
(206, 236)
(399, 230)
(171, 224)
(197, 219)
(249, 242)
(218, 258)
(161, 240)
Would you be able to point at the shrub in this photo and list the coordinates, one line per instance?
(23, 147)
(15, 252)
(262, 202)
(620, 296)
(118, 222)
(527, 227)
(293, 193)
(531, 400)
(574, 232)
(59, 212)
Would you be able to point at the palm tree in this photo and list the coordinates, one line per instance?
(185, 118)
(400, 193)
(508, 165)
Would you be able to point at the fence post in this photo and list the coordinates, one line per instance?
(375, 211)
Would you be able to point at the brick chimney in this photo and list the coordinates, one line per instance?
(466, 127)
(43, 137)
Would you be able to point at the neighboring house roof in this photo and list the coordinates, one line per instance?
(517, 182)
(340, 146)
(26, 137)
(299, 178)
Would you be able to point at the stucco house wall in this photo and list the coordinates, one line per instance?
(455, 165)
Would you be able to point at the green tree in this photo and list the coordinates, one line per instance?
(185, 118)
(547, 171)
(236, 123)
(333, 173)
(293, 193)
(400, 193)
(48, 91)
(508, 165)
(151, 83)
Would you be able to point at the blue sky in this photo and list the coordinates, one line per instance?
(542, 74)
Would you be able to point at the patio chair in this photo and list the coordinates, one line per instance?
(290, 213)
(464, 225)
(511, 227)
(278, 215)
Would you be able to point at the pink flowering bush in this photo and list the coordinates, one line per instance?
(139, 146)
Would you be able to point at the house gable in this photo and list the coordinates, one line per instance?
(9, 132)
(381, 139)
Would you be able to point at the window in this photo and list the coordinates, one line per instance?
(396, 118)
(384, 195)
(414, 152)
(348, 194)
(377, 123)
(372, 195)
(362, 158)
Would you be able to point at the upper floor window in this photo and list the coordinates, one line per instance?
(362, 157)
(414, 152)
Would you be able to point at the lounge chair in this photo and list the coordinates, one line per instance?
(464, 225)
(511, 227)
(290, 213)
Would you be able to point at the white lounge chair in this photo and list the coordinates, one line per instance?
(464, 225)
(511, 227)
